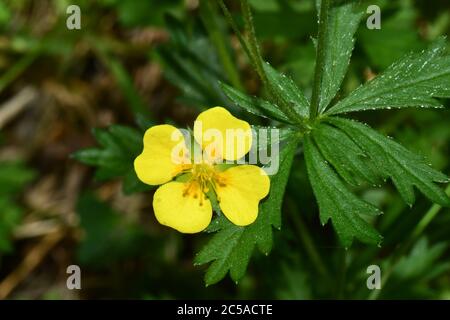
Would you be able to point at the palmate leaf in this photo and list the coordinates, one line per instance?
(231, 247)
(257, 106)
(336, 202)
(286, 89)
(286, 92)
(411, 82)
(348, 159)
(405, 168)
(119, 147)
(343, 21)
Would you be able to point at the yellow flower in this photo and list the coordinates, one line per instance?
(184, 206)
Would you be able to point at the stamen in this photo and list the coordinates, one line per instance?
(204, 176)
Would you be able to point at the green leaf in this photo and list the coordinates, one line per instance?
(405, 168)
(257, 106)
(343, 21)
(336, 202)
(263, 136)
(287, 90)
(411, 82)
(120, 145)
(231, 247)
(348, 159)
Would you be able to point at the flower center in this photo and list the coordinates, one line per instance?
(204, 176)
(203, 173)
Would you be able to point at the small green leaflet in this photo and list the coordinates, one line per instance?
(347, 158)
(119, 147)
(405, 168)
(254, 105)
(338, 203)
(286, 89)
(410, 82)
(343, 22)
(231, 247)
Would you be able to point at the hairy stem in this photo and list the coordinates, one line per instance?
(254, 47)
(252, 41)
(251, 48)
(320, 59)
(238, 34)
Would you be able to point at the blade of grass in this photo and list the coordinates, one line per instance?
(252, 41)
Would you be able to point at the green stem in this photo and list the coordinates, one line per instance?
(415, 234)
(208, 14)
(320, 59)
(235, 28)
(427, 218)
(253, 42)
(253, 52)
(276, 98)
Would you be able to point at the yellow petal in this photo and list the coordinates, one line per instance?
(164, 156)
(222, 135)
(239, 190)
(182, 206)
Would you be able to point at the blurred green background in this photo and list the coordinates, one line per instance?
(138, 63)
